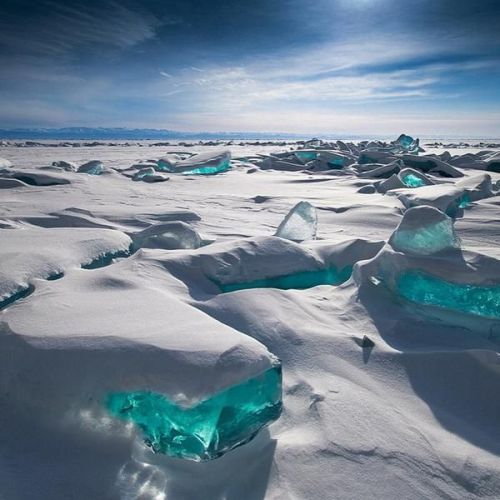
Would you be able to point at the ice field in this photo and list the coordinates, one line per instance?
(296, 320)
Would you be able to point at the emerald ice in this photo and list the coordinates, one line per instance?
(306, 156)
(426, 289)
(412, 181)
(209, 170)
(209, 428)
(299, 281)
(205, 163)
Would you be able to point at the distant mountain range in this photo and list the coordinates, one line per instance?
(88, 133)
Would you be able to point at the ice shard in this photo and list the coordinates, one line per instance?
(426, 289)
(300, 224)
(424, 230)
(407, 144)
(93, 167)
(413, 178)
(412, 181)
(209, 428)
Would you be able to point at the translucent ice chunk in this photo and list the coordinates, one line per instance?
(334, 159)
(299, 281)
(305, 156)
(169, 236)
(407, 143)
(207, 429)
(205, 164)
(93, 167)
(424, 230)
(300, 224)
(426, 289)
(412, 181)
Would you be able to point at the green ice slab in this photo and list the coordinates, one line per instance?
(426, 289)
(209, 170)
(306, 155)
(412, 181)
(299, 281)
(209, 428)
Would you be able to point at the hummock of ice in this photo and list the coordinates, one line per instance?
(205, 163)
(423, 231)
(209, 428)
(229, 385)
(300, 224)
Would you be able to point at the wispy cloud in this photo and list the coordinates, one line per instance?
(59, 28)
(327, 74)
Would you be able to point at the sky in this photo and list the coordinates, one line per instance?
(380, 67)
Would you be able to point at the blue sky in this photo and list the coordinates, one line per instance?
(427, 67)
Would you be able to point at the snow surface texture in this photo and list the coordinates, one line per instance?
(108, 286)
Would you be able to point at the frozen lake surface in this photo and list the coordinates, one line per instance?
(179, 287)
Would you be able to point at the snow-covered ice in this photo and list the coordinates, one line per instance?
(141, 322)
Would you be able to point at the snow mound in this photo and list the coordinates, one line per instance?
(27, 253)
